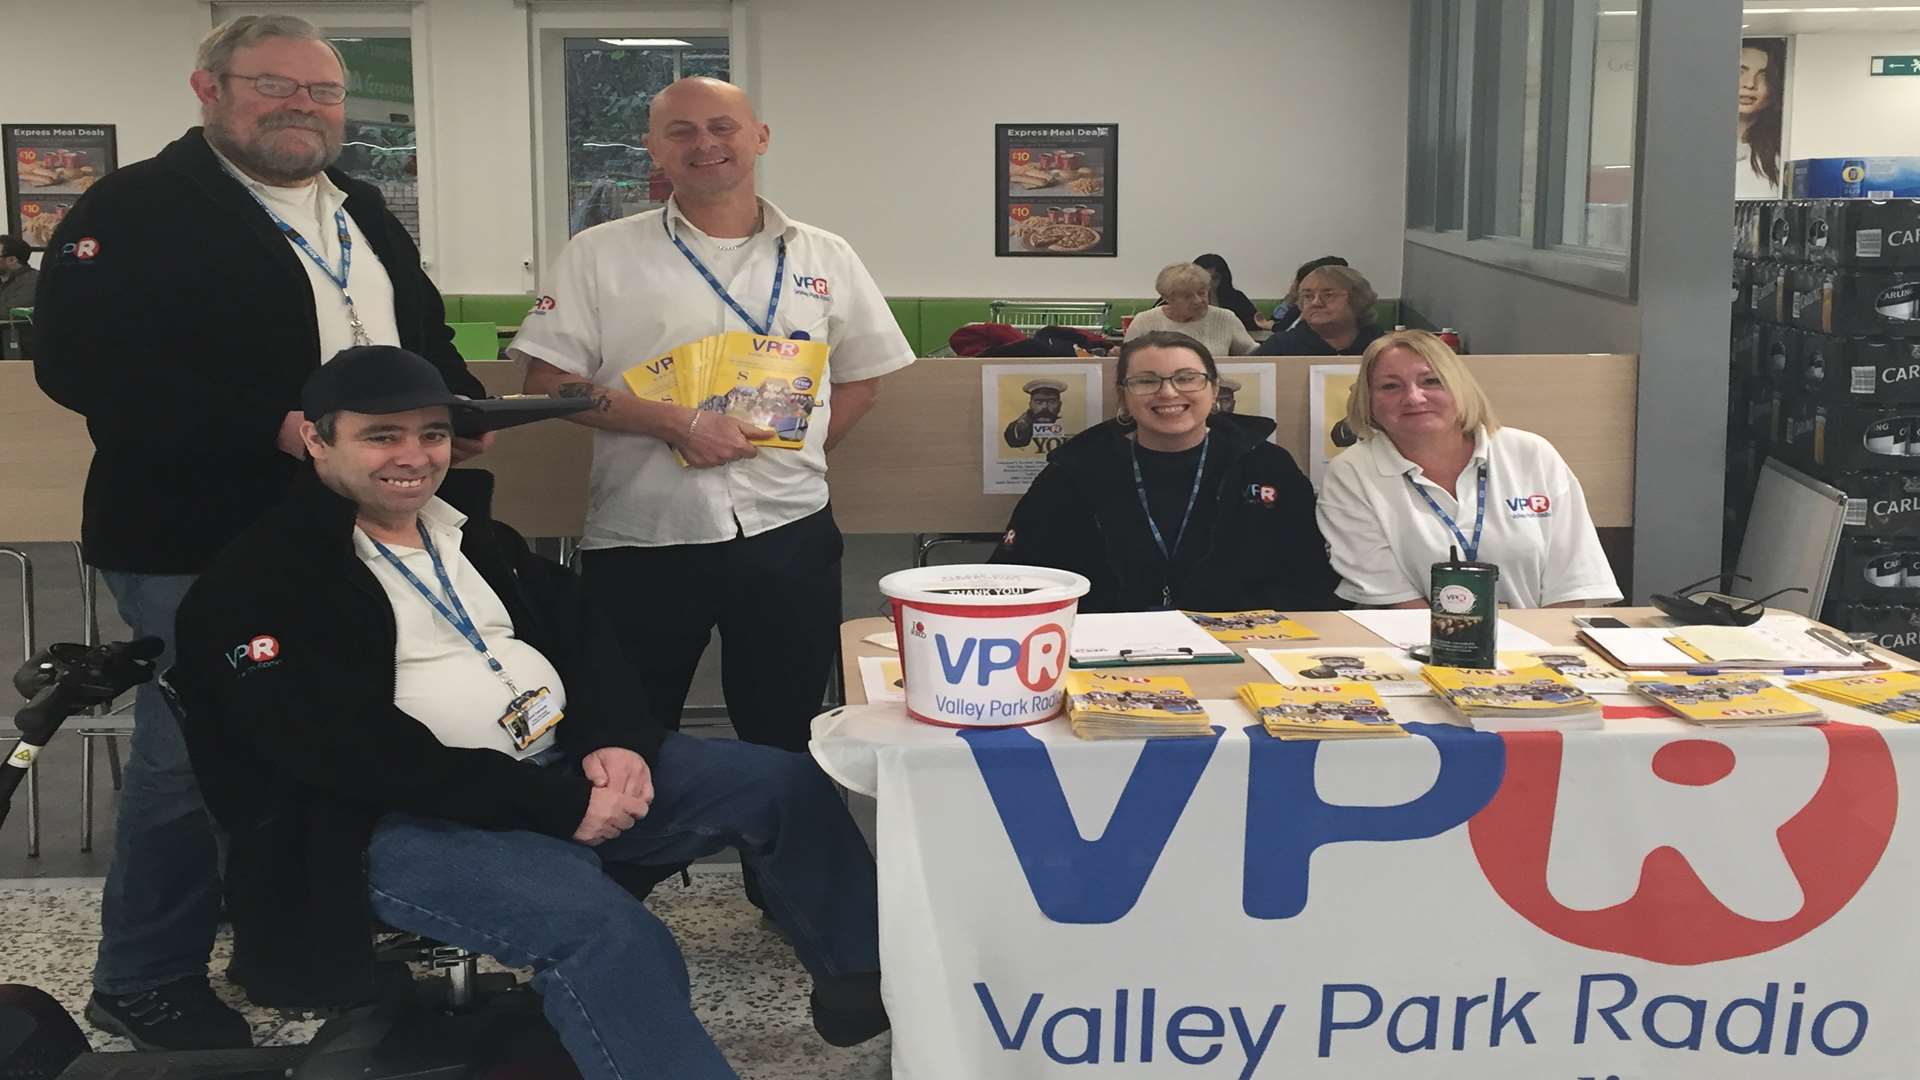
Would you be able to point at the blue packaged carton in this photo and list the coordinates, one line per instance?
(1854, 178)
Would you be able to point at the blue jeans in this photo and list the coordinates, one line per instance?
(610, 977)
(161, 904)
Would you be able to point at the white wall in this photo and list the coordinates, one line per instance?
(1835, 109)
(1268, 131)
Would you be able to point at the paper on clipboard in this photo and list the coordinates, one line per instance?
(1141, 637)
(1410, 627)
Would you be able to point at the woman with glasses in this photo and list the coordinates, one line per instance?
(1186, 306)
(1336, 316)
(1172, 505)
(1434, 470)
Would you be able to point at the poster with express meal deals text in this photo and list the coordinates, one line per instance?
(48, 167)
(1027, 411)
(1055, 189)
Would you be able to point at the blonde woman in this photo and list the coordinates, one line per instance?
(1186, 292)
(1433, 470)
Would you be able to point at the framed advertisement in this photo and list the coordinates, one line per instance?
(48, 167)
(1054, 191)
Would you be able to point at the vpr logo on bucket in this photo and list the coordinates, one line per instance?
(1036, 659)
(1767, 850)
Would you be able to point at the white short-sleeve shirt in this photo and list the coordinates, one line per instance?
(439, 679)
(621, 294)
(1384, 538)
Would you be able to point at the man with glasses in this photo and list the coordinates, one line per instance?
(183, 302)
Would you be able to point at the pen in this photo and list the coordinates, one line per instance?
(1703, 671)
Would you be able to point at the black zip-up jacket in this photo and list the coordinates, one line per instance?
(176, 318)
(285, 674)
(1261, 547)
(1301, 340)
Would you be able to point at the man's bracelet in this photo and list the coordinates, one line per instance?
(692, 423)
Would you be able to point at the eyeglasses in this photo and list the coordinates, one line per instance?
(279, 86)
(1309, 296)
(1188, 381)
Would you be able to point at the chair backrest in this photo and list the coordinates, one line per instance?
(1030, 315)
(1793, 533)
(925, 543)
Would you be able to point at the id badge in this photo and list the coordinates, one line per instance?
(530, 716)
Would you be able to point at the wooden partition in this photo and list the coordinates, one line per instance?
(913, 465)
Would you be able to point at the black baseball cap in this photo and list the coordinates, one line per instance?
(375, 379)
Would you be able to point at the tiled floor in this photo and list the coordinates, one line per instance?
(747, 987)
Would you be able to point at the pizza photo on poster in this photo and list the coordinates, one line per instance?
(1054, 189)
(48, 167)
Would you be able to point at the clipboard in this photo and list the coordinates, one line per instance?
(1143, 638)
(1152, 657)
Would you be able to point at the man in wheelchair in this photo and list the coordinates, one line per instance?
(400, 713)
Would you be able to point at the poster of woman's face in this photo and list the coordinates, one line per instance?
(1763, 91)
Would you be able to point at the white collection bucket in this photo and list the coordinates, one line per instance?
(983, 646)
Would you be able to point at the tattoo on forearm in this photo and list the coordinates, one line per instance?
(602, 401)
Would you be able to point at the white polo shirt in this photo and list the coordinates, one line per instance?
(621, 294)
(1384, 538)
(439, 679)
(310, 210)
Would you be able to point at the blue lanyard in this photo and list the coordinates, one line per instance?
(1140, 489)
(456, 616)
(339, 278)
(1471, 551)
(773, 302)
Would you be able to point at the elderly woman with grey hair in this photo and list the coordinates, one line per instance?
(1186, 293)
(1336, 316)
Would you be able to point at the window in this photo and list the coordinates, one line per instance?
(609, 84)
(1523, 116)
(381, 145)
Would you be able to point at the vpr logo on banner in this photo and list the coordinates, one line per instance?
(1508, 790)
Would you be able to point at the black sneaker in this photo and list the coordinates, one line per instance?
(847, 1009)
(181, 1015)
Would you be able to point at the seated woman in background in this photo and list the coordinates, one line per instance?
(1434, 469)
(1184, 293)
(1336, 316)
(1226, 296)
(1287, 311)
(1171, 505)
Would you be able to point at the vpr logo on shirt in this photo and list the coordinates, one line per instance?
(261, 650)
(1262, 494)
(812, 286)
(542, 306)
(1530, 506)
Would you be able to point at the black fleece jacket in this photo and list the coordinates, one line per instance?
(176, 318)
(1255, 543)
(299, 747)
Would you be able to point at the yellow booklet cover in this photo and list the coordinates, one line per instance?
(1321, 711)
(1131, 697)
(1262, 625)
(1892, 694)
(1721, 699)
(1581, 667)
(768, 382)
(1536, 689)
(657, 379)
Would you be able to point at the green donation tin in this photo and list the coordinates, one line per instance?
(1465, 616)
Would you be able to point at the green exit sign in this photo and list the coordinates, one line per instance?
(1895, 65)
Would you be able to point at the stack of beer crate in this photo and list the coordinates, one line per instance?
(1825, 375)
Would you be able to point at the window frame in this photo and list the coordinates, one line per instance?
(549, 25)
(383, 19)
(1563, 121)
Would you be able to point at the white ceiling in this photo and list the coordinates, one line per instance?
(1796, 18)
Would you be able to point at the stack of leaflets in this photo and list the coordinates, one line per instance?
(1334, 710)
(768, 382)
(1535, 698)
(1112, 705)
(1581, 667)
(1386, 670)
(1726, 700)
(1892, 694)
(1250, 626)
